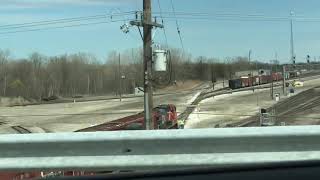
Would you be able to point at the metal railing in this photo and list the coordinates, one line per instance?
(159, 149)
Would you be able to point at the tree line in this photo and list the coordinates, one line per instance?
(40, 76)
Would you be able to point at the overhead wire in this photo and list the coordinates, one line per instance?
(169, 15)
(225, 14)
(168, 76)
(221, 19)
(58, 27)
(5, 27)
(61, 20)
(65, 23)
(236, 17)
(189, 14)
(164, 28)
(177, 24)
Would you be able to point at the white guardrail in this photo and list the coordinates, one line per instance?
(159, 149)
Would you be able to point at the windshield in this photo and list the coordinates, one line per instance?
(80, 66)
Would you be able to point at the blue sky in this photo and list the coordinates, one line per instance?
(212, 38)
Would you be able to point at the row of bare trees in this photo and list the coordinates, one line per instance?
(40, 76)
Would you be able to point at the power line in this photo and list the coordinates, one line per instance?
(60, 21)
(222, 18)
(233, 15)
(177, 24)
(41, 23)
(225, 19)
(210, 15)
(175, 15)
(240, 18)
(181, 16)
(67, 19)
(164, 30)
(60, 27)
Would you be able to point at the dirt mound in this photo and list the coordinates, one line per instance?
(13, 101)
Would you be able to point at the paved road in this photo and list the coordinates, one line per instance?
(66, 117)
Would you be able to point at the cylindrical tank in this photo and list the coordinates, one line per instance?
(160, 60)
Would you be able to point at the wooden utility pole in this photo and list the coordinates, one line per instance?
(284, 80)
(5, 85)
(271, 85)
(251, 75)
(213, 77)
(147, 63)
(88, 85)
(147, 24)
(119, 79)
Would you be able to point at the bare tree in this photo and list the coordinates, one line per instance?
(4, 56)
(82, 73)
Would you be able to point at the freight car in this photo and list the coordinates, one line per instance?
(277, 76)
(254, 81)
(246, 81)
(164, 117)
(235, 83)
(265, 79)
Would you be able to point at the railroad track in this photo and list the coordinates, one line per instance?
(207, 94)
(21, 130)
(287, 109)
(252, 121)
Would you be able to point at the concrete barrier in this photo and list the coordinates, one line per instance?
(165, 149)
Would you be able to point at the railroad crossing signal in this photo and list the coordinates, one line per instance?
(308, 59)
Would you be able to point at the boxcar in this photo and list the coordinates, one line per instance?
(235, 84)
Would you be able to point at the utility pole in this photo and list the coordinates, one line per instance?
(293, 58)
(119, 79)
(271, 88)
(276, 63)
(284, 79)
(258, 82)
(147, 24)
(258, 72)
(147, 64)
(88, 85)
(213, 78)
(224, 72)
(251, 75)
(5, 85)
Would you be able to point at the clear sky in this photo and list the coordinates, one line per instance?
(212, 38)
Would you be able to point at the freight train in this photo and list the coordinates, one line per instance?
(248, 81)
(164, 117)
